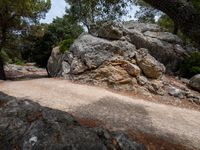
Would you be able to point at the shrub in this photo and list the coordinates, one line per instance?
(19, 62)
(191, 65)
(65, 45)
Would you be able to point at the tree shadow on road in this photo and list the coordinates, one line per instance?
(114, 114)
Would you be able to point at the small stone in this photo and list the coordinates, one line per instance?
(142, 80)
(133, 70)
(173, 91)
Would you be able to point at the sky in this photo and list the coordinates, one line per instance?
(58, 10)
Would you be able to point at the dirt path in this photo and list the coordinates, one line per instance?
(178, 125)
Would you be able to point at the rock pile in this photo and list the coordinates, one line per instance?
(133, 57)
(27, 125)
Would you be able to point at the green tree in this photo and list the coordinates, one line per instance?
(17, 15)
(39, 42)
(191, 65)
(90, 11)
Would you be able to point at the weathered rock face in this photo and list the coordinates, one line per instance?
(100, 61)
(195, 82)
(108, 30)
(27, 125)
(164, 46)
(149, 65)
(55, 62)
(116, 41)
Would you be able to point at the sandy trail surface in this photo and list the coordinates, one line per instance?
(179, 125)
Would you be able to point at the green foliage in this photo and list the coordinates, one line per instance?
(191, 65)
(19, 62)
(166, 22)
(4, 56)
(16, 15)
(196, 4)
(39, 42)
(91, 11)
(10, 56)
(65, 45)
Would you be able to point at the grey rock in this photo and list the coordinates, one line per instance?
(108, 30)
(173, 91)
(55, 62)
(27, 125)
(93, 51)
(142, 27)
(165, 47)
(156, 87)
(149, 65)
(164, 36)
(126, 144)
(65, 67)
(89, 53)
(193, 98)
(142, 80)
(195, 82)
(185, 81)
(77, 66)
(133, 70)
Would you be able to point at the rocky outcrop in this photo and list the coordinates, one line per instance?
(114, 41)
(112, 63)
(126, 57)
(164, 46)
(195, 82)
(27, 125)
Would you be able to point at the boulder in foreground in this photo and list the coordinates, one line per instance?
(28, 126)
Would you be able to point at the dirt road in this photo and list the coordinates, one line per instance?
(178, 125)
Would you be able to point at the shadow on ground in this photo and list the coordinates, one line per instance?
(130, 118)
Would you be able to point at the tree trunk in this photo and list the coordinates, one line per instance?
(175, 30)
(183, 13)
(2, 72)
(2, 43)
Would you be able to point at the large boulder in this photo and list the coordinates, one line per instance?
(195, 82)
(88, 53)
(27, 125)
(121, 56)
(93, 51)
(149, 65)
(104, 62)
(56, 66)
(164, 46)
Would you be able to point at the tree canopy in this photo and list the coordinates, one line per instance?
(38, 43)
(16, 16)
(90, 11)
